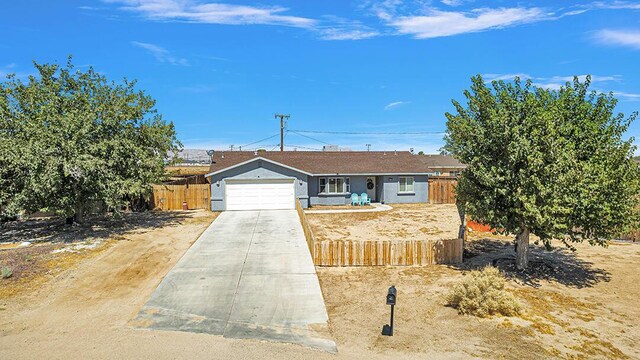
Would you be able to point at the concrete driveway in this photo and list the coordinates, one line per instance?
(249, 275)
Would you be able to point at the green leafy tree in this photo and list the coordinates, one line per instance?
(70, 139)
(544, 162)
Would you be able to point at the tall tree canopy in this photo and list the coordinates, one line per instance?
(70, 138)
(551, 163)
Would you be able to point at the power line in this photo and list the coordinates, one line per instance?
(261, 140)
(368, 133)
(303, 147)
(261, 147)
(309, 137)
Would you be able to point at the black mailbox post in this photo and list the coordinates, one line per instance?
(391, 300)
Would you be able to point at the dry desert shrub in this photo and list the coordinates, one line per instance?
(6, 272)
(481, 293)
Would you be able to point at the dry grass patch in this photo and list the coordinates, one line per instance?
(33, 266)
(403, 222)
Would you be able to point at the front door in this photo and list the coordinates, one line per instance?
(371, 188)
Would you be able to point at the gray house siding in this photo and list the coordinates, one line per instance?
(358, 186)
(391, 195)
(307, 187)
(386, 190)
(257, 170)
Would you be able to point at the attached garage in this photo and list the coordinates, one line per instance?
(260, 194)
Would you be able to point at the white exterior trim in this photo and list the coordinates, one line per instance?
(254, 159)
(373, 174)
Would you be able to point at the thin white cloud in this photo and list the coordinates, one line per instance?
(212, 13)
(616, 5)
(347, 34)
(598, 82)
(9, 69)
(194, 11)
(498, 77)
(455, 2)
(338, 28)
(161, 54)
(628, 38)
(626, 96)
(439, 23)
(396, 104)
(552, 79)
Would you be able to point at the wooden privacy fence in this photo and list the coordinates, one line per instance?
(308, 234)
(634, 235)
(378, 253)
(171, 197)
(441, 189)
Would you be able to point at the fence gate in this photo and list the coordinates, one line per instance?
(171, 197)
(441, 189)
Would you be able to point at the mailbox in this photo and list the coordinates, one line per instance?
(391, 296)
(387, 330)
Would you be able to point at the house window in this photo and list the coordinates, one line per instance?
(334, 185)
(405, 184)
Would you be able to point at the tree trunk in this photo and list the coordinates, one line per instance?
(79, 215)
(522, 249)
(463, 221)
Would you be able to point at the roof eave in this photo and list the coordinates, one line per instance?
(252, 160)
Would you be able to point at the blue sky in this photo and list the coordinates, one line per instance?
(220, 70)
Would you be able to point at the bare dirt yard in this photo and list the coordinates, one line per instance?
(577, 305)
(580, 305)
(403, 222)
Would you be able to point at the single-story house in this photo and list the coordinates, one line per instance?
(442, 165)
(245, 180)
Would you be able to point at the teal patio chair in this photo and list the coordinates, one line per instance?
(364, 199)
(355, 199)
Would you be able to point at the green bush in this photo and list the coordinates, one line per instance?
(6, 272)
(481, 293)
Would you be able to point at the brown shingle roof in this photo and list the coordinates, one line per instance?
(329, 162)
(440, 161)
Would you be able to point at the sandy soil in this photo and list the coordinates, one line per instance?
(580, 306)
(577, 306)
(86, 310)
(403, 222)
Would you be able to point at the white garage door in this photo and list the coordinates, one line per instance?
(260, 194)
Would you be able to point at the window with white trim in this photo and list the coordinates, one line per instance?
(334, 185)
(405, 184)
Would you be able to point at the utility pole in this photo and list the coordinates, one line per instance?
(368, 147)
(282, 117)
(231, 147)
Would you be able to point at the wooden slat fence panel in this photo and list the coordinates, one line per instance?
(306, 228)
(442, 189)
(380, 253)
(198, 196)
(171, 197)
